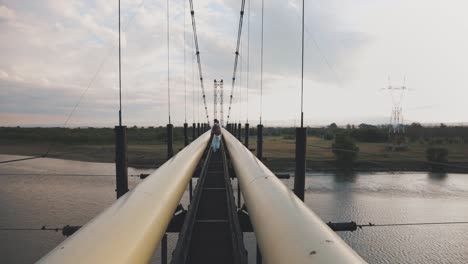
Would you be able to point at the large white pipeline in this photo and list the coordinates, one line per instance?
(287, 231)
(130, 229)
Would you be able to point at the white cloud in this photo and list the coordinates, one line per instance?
(3, 75)
(54, 48)
(6, 13)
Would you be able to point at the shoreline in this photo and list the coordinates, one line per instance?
(287, 165)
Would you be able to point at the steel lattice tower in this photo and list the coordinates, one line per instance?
(397, 128)
(218, 100)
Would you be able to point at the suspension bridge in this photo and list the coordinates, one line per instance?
(212, 228)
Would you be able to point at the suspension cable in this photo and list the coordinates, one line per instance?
(302, 70)
(64, 174)
(412, 224)
(261, 68)
(248, 60)
(168, 66)
(236, 58)
(240, 83)
(195, 37)
(193, 82)
(185, 76)
(16, 160)
(120, 75)
(43, 228)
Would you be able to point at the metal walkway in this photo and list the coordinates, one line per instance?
(211, 232)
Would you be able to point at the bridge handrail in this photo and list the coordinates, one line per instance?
(287, 230)
(131, 228)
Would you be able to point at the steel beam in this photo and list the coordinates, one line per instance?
(287, 231)
(131, 229)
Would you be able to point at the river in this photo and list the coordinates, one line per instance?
(58, 200)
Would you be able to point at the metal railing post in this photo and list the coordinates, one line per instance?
(121, 163)
(193, 131)
(299, 176)
(259, 255)
(186, 139)
(260, 142)
(164, 249)
(170, 138)
(246, 136)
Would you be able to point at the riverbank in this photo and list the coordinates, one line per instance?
(278, 152)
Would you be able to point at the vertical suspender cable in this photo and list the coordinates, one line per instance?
(301, 135)
(302, 73)
(261, 68)
(168, 67)
(198, 108)
(240, 85)
(248, 61)
(193, 82)
(185, 77)
(120, 77)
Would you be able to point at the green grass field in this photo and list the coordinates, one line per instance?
(147, 148)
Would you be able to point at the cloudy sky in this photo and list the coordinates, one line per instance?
(54, 51)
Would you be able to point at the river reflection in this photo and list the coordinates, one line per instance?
(33, 201)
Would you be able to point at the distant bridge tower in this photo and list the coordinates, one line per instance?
(218, 101)
(397, 128)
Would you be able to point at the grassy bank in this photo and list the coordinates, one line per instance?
(279, 153)
(147, 148)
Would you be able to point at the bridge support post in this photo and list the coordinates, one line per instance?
(186, 140)
(170, 138)
(193, 131)
(198, 130)
(259, 255)
(238, 194)
(260, 142)
(164, 249)
(234, 129)
(246, 135)
(299, 177)
(239, 131)
(190, 189)
(121, 164)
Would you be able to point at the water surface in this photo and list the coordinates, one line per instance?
(55, 201)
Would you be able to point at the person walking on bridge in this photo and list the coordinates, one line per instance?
(216, 132)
